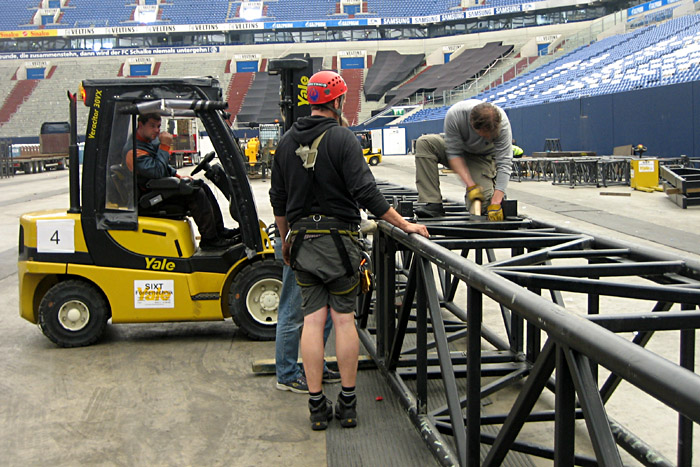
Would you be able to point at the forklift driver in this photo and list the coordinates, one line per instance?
(152, 155)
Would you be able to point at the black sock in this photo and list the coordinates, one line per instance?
(316, 398)
(347, 394)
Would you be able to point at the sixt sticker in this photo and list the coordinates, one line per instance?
(154, 294)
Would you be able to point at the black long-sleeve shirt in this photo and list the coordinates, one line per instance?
(341, 175)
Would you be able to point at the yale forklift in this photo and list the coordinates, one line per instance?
(130, 256)
(371, 156)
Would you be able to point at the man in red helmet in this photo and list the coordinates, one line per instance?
(319, 182)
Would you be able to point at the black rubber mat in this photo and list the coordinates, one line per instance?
(384, 435)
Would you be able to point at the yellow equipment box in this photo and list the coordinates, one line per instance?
(644, 173)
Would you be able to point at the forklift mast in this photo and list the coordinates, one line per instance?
(294, 76)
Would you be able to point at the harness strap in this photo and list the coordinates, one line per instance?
(321, 222)
(294, 249)
(352, 233)
(335, 235)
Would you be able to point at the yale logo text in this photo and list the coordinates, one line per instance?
(159, 264)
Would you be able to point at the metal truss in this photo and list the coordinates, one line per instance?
(425, 323)
(532, 169)
(575, 171)
(681, 184)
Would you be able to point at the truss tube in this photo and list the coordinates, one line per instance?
(635, 250)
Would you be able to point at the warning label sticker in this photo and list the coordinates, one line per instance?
(646, 166)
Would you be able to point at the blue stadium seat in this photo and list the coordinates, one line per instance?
(18, 15)
(652, 56)
(646, 57)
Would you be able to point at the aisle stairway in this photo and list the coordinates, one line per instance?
(18, 96)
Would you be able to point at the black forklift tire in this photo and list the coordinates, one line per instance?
(374, 160)
(254, 299)
(73, 313)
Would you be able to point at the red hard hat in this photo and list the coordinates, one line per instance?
(325, 86)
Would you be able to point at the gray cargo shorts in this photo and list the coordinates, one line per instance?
(323, 279)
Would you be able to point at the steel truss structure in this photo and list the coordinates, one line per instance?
(681, 184)
(575, 171)
(425, 323)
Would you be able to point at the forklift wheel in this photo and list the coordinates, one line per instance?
(373, 160)
(254, 297)
(73, 314)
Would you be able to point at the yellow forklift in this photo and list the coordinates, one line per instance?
(130, 256)
(260, 150)
(365, 138)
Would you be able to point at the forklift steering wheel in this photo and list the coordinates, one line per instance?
(204, 164)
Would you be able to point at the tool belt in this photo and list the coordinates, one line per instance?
(323, 225)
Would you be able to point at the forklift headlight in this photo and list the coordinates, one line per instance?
(82, 94)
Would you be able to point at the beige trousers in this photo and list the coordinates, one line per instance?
(430, 151)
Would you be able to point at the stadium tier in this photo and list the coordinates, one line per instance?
(423, 75)
(106, 13)
(658, 55)
(653, 56)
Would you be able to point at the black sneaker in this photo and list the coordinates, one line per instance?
(330, 376)
(346, 412)
(298, 385)
(216, 244)
(430, 210)
(321, 415)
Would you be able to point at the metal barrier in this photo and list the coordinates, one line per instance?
(418, 329)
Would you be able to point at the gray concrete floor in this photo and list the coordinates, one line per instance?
(146, 395)
(184, 394)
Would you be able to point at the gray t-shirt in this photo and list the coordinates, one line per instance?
(461, 140)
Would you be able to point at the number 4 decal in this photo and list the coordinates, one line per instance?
(55, 236)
